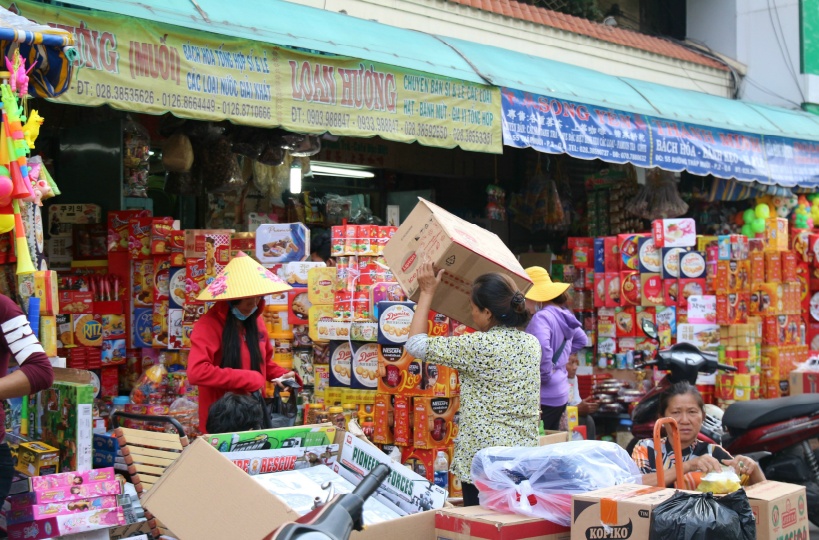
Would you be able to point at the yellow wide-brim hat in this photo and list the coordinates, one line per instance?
(543, 288)
(242, 278)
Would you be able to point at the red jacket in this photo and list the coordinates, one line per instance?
(205, 359)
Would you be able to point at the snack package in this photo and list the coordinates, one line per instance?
(720, 483)
(153, 381)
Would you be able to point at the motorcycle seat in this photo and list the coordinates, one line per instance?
(744, 415)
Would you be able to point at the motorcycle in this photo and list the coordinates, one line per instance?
(335, 517)
(777, 433)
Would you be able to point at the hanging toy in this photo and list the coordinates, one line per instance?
(18, 76)
(32, 128)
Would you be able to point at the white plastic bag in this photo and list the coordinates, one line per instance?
(720, 483)
(540, 481)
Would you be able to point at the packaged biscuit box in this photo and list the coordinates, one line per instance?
(321, 285)
(341, 359)
(282, 242)
(161, 235)
(139, 240)
(119, 227)
(87, 330)
(394, 320)
(364, 374)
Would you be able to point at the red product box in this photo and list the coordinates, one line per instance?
(624, 321)
(142, 283)
(460, 329)
(161, 278)
(161, 235)
(422, 461)
(733, 308)
(109, 381)
(194, 280)
(773, 266)
(402, 413)
(119, 230)
(177, 243)
(630, 288)
(789, 262)
(76, 302)
(671, 292)
(612, 284)
(803, 276)
(139, 239)
(383, 419)
(800, 244)
(582, 252)
(438, 325)
(299, 306)
(611, 256)
(651, 290)
(757, 267)
(599, 290)
(629, 251)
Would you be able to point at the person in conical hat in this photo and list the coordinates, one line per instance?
(560, 335)
(230, 348)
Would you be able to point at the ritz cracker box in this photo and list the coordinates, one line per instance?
(184, 499)
(465, 251)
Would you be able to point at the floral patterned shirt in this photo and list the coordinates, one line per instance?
(500, 388)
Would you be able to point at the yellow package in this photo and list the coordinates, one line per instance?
(321, 285)
(48, 334)
(314, 315)
(45, 288)
(572, 417)
(87, 330)
(65, 330)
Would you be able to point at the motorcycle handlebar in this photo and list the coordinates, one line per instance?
(724, 367)
(372, 481)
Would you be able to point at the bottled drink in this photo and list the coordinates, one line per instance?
(442, 471)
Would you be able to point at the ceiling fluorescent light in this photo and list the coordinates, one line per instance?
(324, 170)
(295, 178)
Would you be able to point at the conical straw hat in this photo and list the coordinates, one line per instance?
(242, 278)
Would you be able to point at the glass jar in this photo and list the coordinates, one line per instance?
(337, 417)
(349, 411)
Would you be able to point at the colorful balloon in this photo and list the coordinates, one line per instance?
(748, 216)
(758, 225)
(762, 211)
(747, 231)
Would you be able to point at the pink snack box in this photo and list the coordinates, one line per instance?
(64, 494)
(67, 524)
(43, 511)
(68, 479)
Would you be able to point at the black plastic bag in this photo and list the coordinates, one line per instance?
(701, 516)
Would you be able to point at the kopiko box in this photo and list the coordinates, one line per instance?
(341, 364)
(394, 319)
(435, 421)
(622, 511)
(364, 366)
(674, 232)
(478, 523)
(398, 371)
(464, 250)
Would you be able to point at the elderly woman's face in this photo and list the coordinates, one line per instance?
(686, 411)
(482, 318)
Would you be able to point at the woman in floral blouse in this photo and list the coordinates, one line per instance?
(499, 368)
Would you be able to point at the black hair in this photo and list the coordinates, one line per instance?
(561, 300)
(499, 294)
(679, 389)
(320, 244)
(234, 412)
(232, 341)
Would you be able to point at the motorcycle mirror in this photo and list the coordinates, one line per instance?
(649, 328)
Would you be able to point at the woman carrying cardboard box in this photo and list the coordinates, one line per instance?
(499, 367)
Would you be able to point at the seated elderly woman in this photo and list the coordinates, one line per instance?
(683, 403)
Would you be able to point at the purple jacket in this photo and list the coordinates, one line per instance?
(552, 326)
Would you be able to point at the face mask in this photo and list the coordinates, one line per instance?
(241, 316)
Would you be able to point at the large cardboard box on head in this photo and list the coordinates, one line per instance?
(478, 523)
(622, 511)
(464, 250)
(781, 510)
(203, 495)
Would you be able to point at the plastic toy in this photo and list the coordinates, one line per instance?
(32, 128)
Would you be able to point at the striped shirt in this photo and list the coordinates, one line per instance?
(644, 456)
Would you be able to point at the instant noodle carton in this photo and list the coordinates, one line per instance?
(465, 251)
(435, 421)
(399, 372)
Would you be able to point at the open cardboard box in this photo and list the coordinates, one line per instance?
(478, 523)
(553, 437)
(203, 495)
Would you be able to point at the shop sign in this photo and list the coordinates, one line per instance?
(809, 36)
(584, 131)
(143, 66)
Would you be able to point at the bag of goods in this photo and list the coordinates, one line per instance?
(540, 481)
